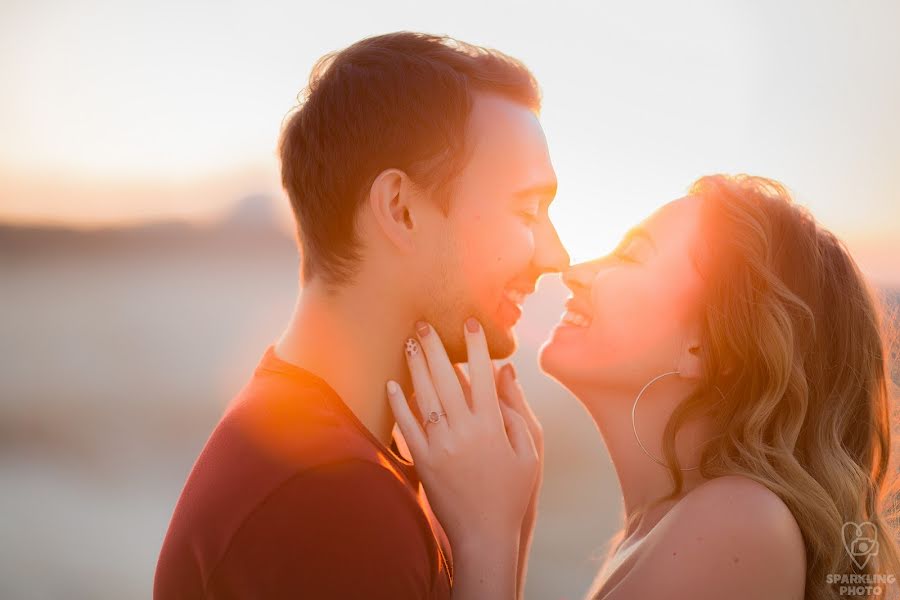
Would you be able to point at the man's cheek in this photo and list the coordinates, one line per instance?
(513, 250)
(490, 261)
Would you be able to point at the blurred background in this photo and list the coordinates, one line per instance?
(147, 257)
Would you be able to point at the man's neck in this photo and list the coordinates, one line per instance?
(355, 345)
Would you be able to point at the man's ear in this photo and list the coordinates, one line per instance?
(389, 199)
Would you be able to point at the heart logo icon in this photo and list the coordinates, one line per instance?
(860, 541)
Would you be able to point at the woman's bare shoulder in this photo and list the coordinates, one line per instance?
(729, 537)
(746, 512)
(752, 498)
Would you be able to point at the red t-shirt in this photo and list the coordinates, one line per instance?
(292, 497)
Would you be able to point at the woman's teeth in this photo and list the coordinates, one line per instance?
(575, 318)
(515, 297)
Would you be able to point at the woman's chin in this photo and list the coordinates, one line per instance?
(569, 357)
(564, 334)
(556, 356)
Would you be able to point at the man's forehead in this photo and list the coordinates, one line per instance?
(506, 138)
(493, 115)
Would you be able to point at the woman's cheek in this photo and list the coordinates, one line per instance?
(624, 319)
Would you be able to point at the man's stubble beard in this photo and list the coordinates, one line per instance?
(451, 302)
(450, 311)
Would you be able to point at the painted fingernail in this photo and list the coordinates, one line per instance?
(422, 328)
(392, 387)
(412, 347)
(472, 324)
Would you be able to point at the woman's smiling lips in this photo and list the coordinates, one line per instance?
(578, 313)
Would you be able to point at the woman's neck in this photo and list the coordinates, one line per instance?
(644, 481)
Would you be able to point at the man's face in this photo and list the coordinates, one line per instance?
(497, 239)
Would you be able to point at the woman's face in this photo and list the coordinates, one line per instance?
(633, 314)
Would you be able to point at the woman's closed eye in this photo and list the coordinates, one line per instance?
(626, 252)
(636, 247)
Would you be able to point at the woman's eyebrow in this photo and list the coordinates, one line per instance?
(639, 232)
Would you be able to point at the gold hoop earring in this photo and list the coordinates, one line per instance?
(634, 426)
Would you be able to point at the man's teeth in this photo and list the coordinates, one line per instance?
(515, 297)
(576, 318)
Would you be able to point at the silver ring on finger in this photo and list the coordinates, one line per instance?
(433, 417)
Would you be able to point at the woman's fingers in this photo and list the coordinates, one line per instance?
(464, 384)
(407, 421)
(479, 474)
(481, 369)
(443, 377)
(509, 389)
(518, 433)
(427, 399)
(511, 394)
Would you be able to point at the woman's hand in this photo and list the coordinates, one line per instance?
(512, 396)
(475, 456)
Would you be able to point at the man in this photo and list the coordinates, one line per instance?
(420, 180)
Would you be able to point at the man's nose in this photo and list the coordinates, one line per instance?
(550, 255)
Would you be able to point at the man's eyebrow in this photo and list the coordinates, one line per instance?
(544, 191)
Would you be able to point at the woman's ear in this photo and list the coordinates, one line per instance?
(690, 363)
(389, 198)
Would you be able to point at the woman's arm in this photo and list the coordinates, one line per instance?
(484, 569)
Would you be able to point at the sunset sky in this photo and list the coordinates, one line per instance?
(120, 111)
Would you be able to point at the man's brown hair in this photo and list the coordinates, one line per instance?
(399, 100)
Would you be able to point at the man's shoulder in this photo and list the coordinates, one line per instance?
(352, 515)
(332, 497)
(276, 437)
(279, 446)
(350, 519)
(293, 421)
(336, 503)
(335, 488)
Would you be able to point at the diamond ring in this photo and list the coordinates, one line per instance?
(433, 417)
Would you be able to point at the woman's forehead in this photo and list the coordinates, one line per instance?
(682, 214)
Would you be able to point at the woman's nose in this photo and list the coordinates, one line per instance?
(580, 276)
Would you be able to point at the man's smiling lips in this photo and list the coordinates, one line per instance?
(515, 298)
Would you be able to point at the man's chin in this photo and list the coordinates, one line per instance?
(501, 344)
(501, 341)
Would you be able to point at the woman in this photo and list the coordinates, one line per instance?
(731, 356)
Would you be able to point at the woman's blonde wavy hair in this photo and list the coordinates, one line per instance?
(794, 334)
